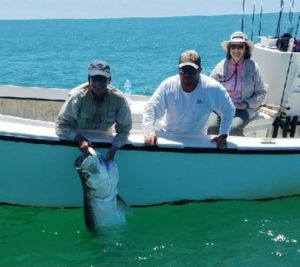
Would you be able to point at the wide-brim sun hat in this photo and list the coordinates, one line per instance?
(238, 37)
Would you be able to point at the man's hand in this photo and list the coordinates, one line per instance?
(150, 140)
(110, 155)
(221, 141)
(83, 144)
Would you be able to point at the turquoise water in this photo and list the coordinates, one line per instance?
(228, 233)
(55, 53)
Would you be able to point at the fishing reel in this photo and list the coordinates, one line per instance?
(286, 123)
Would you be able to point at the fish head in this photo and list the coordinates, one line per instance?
(99, 176)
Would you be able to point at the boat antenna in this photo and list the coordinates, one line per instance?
(260, 16)
(242, 26)
(253, 13)
(279, 18)
(290, 62)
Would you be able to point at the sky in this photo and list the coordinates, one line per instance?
(58, 9)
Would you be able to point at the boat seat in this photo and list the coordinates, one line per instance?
(272, 111)
(137, 121)
(262, 124)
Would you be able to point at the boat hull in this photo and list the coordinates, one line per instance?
(37, 168)
(42, 174)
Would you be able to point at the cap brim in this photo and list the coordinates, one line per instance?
(100, 73)
(195, 66)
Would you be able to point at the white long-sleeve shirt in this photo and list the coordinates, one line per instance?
(187, 113)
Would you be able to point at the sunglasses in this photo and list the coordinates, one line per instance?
(187, 70)
(237, 46)
(98, 78)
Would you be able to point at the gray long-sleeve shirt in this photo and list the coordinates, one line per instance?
(82, 112)
(254, 91)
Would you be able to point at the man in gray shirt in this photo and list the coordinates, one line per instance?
(97, 107)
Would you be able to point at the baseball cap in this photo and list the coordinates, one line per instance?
(99, 67)
(190, 58)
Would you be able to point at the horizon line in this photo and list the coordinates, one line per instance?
(136, 17)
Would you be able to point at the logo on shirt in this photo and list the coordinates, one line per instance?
(199, 101)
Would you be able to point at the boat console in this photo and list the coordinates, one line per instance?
(281, 72)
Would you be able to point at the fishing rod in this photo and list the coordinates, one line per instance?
(292, 2)
(279, 18)
(253, 13)
(260, 17)
(290, 61)
(242, 25)
(282, 120)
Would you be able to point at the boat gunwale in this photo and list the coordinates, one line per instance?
(156, 148)
(33, 98)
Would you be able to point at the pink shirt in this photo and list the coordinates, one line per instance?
(234, 86)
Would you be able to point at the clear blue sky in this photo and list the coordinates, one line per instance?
(35, 9)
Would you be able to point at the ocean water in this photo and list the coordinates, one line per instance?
(231, 233)
(56, 53)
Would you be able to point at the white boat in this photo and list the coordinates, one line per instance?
(37, 167)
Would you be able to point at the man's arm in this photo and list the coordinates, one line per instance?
(123, 126)
(66, 120)
(154, 109)
(226, 110)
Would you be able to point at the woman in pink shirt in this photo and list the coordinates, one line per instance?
(242, 79)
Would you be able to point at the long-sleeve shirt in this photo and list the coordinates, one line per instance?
(187, 113)
(82, 112)
(253, 88)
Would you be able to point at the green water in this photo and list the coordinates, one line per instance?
(233, 233)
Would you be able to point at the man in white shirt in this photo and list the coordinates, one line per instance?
(185, 101)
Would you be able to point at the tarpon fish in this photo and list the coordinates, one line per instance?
(101, 202)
